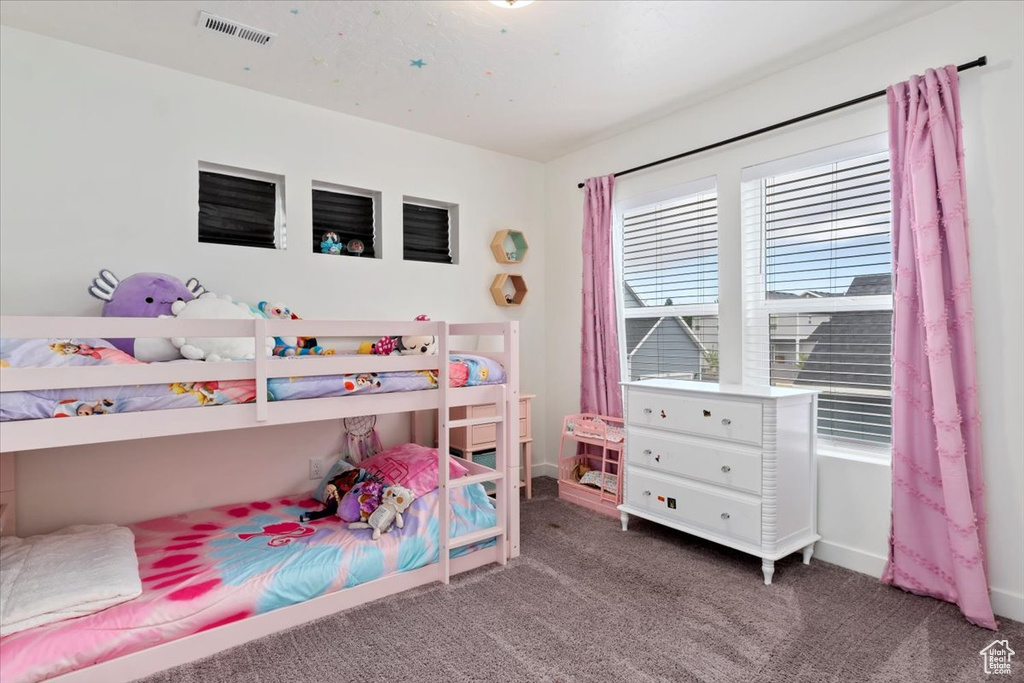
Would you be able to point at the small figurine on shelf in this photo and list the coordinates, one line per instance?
(512, 256)
(355, 247)
(330, 243)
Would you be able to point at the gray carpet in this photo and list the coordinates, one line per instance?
(586, 602)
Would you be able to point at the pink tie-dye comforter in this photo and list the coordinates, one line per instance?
(211, 567)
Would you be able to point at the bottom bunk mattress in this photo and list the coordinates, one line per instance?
(211, 567)
(463, 370)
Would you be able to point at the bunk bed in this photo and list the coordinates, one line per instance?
(464, 540)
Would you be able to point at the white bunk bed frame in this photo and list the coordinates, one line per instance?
(50, 433)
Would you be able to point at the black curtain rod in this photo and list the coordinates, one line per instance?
(980, 61)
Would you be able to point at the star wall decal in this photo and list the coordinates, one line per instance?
(418, 63)
(377, 12)
(319, 61)
(504, 30)
(294, 11)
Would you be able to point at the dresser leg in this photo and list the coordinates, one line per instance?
(768, 567)
(808, 551)
(624, 518)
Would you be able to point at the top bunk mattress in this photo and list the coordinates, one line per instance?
(463, 370)
(206, 568)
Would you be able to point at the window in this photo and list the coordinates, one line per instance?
(819, 286)
(350, 214)
(669, 273)
(429, 231)
(241, 208)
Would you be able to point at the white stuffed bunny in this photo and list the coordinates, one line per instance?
(393, 503)
(207, 306)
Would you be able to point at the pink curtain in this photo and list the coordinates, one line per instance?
(599, 380)
(936, 545)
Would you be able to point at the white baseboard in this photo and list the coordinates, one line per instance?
(850, 558)
(544, 469)
(1005, 603)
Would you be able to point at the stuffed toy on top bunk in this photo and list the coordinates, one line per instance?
(291, 346)
(213, 306)
(406, 345)
(143, 295)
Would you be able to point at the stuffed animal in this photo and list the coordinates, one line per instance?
(406, 346)
(333, 493)
(393, 503)
(358, 504)
(330, 243)
(143, 295)
(412, 345)
(214, 349)
(291, 346)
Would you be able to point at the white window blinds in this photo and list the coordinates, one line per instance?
(818, 286)
(669, 272)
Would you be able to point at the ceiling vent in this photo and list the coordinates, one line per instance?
(211, 22)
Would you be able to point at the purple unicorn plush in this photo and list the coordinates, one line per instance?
(143, 295)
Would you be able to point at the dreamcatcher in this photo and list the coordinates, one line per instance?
(361, 440)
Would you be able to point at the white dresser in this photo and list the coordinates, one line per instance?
(733, 464)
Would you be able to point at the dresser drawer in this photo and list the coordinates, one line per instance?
(484, 435)
(737, 519)
(731, 420)
(716, 465)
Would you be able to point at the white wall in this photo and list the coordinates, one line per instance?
(99, 169)
(854, 495)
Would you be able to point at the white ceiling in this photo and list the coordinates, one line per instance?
(538, 81)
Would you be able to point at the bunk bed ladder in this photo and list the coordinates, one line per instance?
(498, 476)
(505, 477)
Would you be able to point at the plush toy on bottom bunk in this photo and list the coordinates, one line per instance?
(393, 503)
(212, 306)
(291, 346)
(333, 493)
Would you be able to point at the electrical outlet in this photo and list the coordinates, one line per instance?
(316, 468)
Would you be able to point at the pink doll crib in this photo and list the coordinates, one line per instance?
(590, 475)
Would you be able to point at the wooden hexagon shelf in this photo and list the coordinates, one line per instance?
(509, 246)
(500, 289)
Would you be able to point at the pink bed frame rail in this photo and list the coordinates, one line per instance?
(36, 434)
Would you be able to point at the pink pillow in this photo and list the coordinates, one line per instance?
(412, 466)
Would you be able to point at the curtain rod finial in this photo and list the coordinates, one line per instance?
(580, 185)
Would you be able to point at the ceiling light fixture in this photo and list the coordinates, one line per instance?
(511, 4)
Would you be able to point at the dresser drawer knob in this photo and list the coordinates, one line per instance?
(647, 493)
(657, 458)
(647, 411)
(726, 421)
(647, 451)
(725, 515)
(726, 469)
